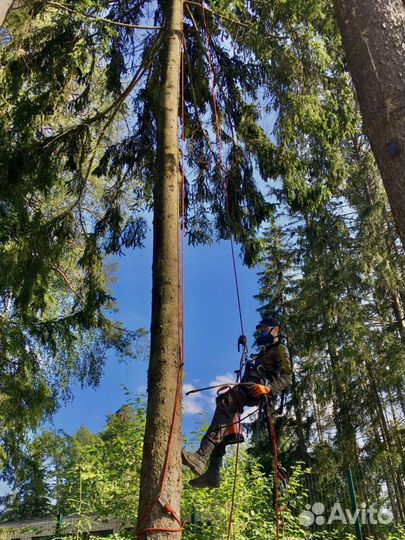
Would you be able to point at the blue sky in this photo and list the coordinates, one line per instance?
(212, 327)
(211, 332)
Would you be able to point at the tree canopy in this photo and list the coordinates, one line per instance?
(295, 183)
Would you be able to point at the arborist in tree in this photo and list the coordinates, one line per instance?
(267, 374)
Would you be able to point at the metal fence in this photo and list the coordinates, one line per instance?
(353, 503)
(54, 527)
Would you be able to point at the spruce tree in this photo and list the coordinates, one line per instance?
(372, 38)
(91, 56)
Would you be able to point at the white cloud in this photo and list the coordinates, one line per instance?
(192, 404)
(223, 380)
(226, 378)
(204, 402)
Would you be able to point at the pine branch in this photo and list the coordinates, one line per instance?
(102, 19)
(7, 307)
(118, 102)
(134, 82)
(195, 98)
(233, 21)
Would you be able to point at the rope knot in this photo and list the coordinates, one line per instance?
(168, 509)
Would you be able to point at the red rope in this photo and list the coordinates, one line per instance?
(167, 508)
(158, 499)
(183, 186)
(235, 273)
(222, 161)
(273, 436)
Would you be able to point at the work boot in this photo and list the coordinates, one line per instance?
(197, 461)
(212, 477)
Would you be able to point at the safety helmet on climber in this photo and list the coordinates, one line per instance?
(271, 322)
(266, 326)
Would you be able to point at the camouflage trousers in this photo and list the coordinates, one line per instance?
(228, 405)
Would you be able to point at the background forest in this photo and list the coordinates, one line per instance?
(80, 86)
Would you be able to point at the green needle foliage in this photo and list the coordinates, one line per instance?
(96, 476)
(83, 474)
(333, 268)
(56, 307)
(79, 91)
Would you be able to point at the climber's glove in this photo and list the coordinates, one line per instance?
(259, 390)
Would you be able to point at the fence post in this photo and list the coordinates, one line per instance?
(357, 525)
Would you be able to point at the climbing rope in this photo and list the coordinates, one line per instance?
(273, 438)
(160, 499)
(221, 157)
(235, 273)
(235, 475)
(222, 163)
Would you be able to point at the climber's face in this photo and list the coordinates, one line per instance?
(266, 330)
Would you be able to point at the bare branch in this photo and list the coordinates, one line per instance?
(66, 280)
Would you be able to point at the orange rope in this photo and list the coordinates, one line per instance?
(167, 508)
(222, 162)
(159, 499)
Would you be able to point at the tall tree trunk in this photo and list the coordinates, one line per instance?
(387, 439)
(373, 36)
(165, 360)
(342, 406)
(317, 416)
(302, 446)
(5, 6)
(399, 314)
(401, 398)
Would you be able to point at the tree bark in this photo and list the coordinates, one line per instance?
(299, 430)
(387, 440)
(345, 430)
(317, 416)
(5, 7)
(165, 359)
(399, 314)
(373, 37)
